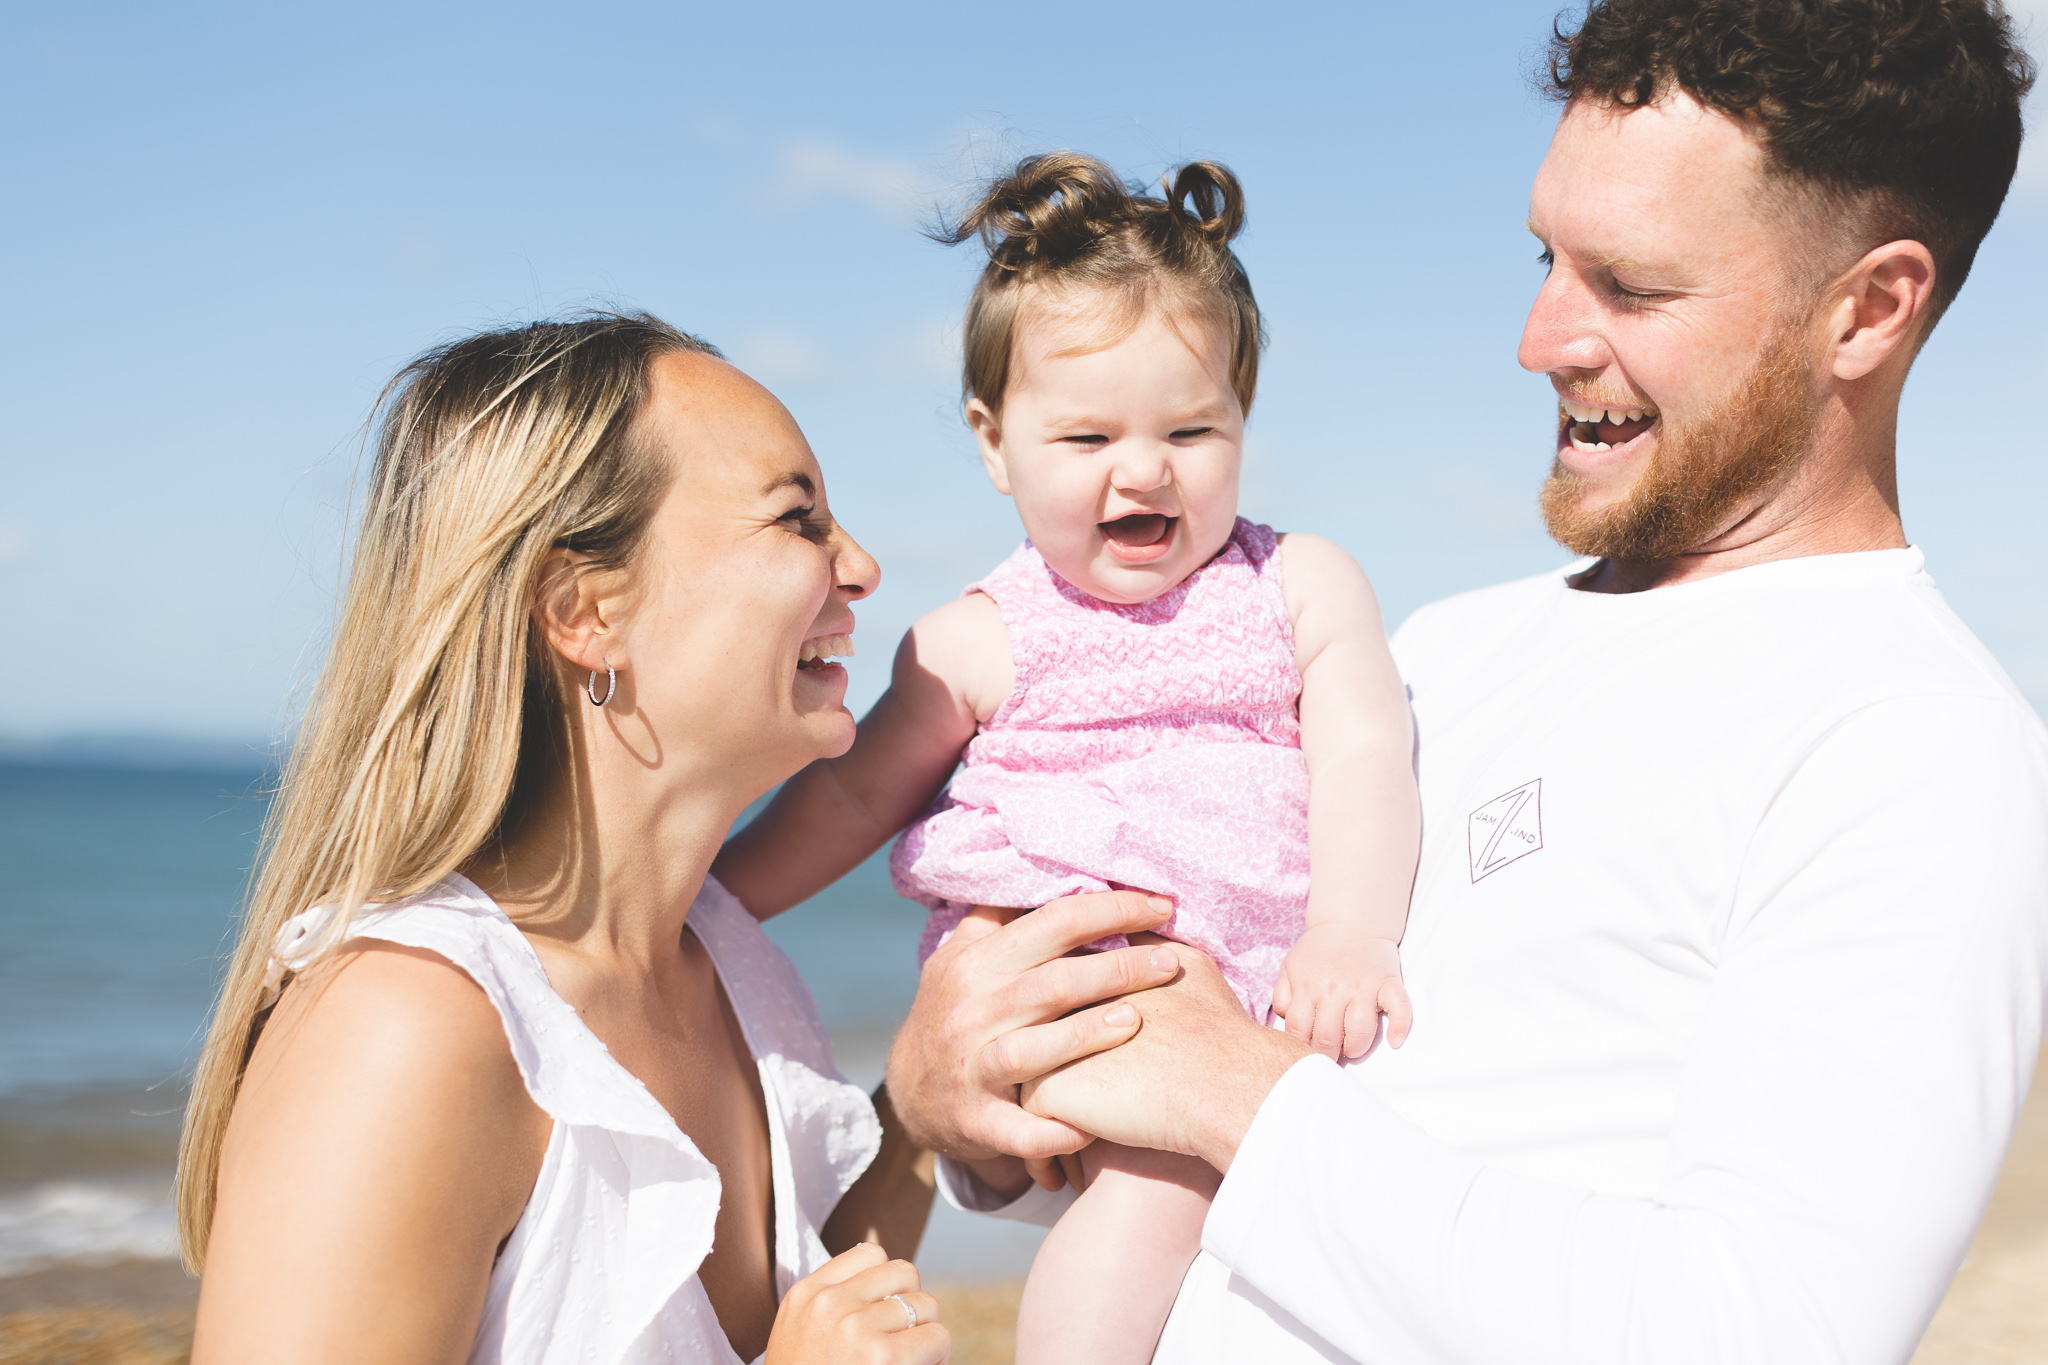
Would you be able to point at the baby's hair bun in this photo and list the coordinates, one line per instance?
(1048, 210)
(1066, 222)
(1208, 195)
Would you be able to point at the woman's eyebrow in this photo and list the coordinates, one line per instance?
(792, 480)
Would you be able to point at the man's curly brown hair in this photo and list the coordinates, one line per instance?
(1903, 115)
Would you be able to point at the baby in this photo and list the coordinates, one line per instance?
(1151, 693)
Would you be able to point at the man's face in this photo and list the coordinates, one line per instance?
(1673, 326)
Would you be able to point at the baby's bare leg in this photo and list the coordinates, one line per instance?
(1106, 1276)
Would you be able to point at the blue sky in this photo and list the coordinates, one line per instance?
(226, 226)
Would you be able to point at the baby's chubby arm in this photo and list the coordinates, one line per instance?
(952, 671)
(1364, 816)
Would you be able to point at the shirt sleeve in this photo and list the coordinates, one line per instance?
(964, 1190)
(1873, 1025)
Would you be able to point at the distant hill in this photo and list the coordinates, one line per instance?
(145, 751)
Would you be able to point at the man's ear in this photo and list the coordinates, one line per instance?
(573, 608)
(1881, 307)
(988, 434)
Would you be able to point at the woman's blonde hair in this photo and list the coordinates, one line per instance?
(1063, 222)
(437, 718)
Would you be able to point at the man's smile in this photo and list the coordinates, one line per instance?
(1592, 429)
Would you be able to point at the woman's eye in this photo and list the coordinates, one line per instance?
(1546, 258)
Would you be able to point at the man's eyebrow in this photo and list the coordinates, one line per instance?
(1607, 260)
(792, 480)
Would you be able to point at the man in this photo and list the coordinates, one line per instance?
(1731, 924)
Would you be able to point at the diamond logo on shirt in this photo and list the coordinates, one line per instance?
(1506, 828)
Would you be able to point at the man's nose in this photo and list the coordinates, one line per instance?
(1562, 331)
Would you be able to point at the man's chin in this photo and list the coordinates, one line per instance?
(1590, 520)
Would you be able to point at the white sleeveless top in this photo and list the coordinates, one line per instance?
(602, 1267)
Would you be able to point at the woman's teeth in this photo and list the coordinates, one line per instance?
(821, 651)
(1593, 429)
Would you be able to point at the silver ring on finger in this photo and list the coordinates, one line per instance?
(909, 1313)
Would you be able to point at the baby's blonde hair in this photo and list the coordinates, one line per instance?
(1062, 223)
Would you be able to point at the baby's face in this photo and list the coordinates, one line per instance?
(1123, 459)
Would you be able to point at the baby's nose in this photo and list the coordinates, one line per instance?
(1142, 470)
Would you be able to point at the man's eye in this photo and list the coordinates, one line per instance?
(797, 514)
(1630, 298)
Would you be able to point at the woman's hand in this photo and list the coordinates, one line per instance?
(842, 1314)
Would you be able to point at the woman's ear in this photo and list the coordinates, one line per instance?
(1881, 307)
(988, 434)
(574, 607)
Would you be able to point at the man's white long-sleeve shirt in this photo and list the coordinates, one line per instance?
(1727, 953)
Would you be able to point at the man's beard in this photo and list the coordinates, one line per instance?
(1702, 475)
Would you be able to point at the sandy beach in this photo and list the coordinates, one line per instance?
(140, 1312)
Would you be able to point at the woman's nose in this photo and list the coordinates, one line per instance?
(855, 570)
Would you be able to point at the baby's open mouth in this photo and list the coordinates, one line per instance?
(1138, 531)
(820, 653)
(1592, 429)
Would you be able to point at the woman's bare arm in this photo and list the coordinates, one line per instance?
(952, 671)
(892, 1200)
(382, 1146)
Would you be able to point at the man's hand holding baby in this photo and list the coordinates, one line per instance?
(1334, 985)
(1001, 1003)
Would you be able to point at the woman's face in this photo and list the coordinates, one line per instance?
(742, 568)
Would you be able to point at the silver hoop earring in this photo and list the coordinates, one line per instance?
(611, 685)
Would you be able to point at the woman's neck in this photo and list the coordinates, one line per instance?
(608, 863)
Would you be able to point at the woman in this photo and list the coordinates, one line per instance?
(497, 1075)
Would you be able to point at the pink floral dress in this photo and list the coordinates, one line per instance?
(1154, 746)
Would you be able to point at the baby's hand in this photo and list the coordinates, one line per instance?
(1334, 984)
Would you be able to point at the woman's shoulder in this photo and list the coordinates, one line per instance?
(411, 988)
(381, 1106)
(420, 969)
(391, 1004)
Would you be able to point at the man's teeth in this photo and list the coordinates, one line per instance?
(1580, 413)
(825, 647)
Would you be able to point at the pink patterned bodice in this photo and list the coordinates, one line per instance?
(1153, 746)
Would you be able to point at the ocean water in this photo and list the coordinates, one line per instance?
(118, 894)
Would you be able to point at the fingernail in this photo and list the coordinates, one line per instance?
(1160, 903)
(1162, 959)
(1120, 1016)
